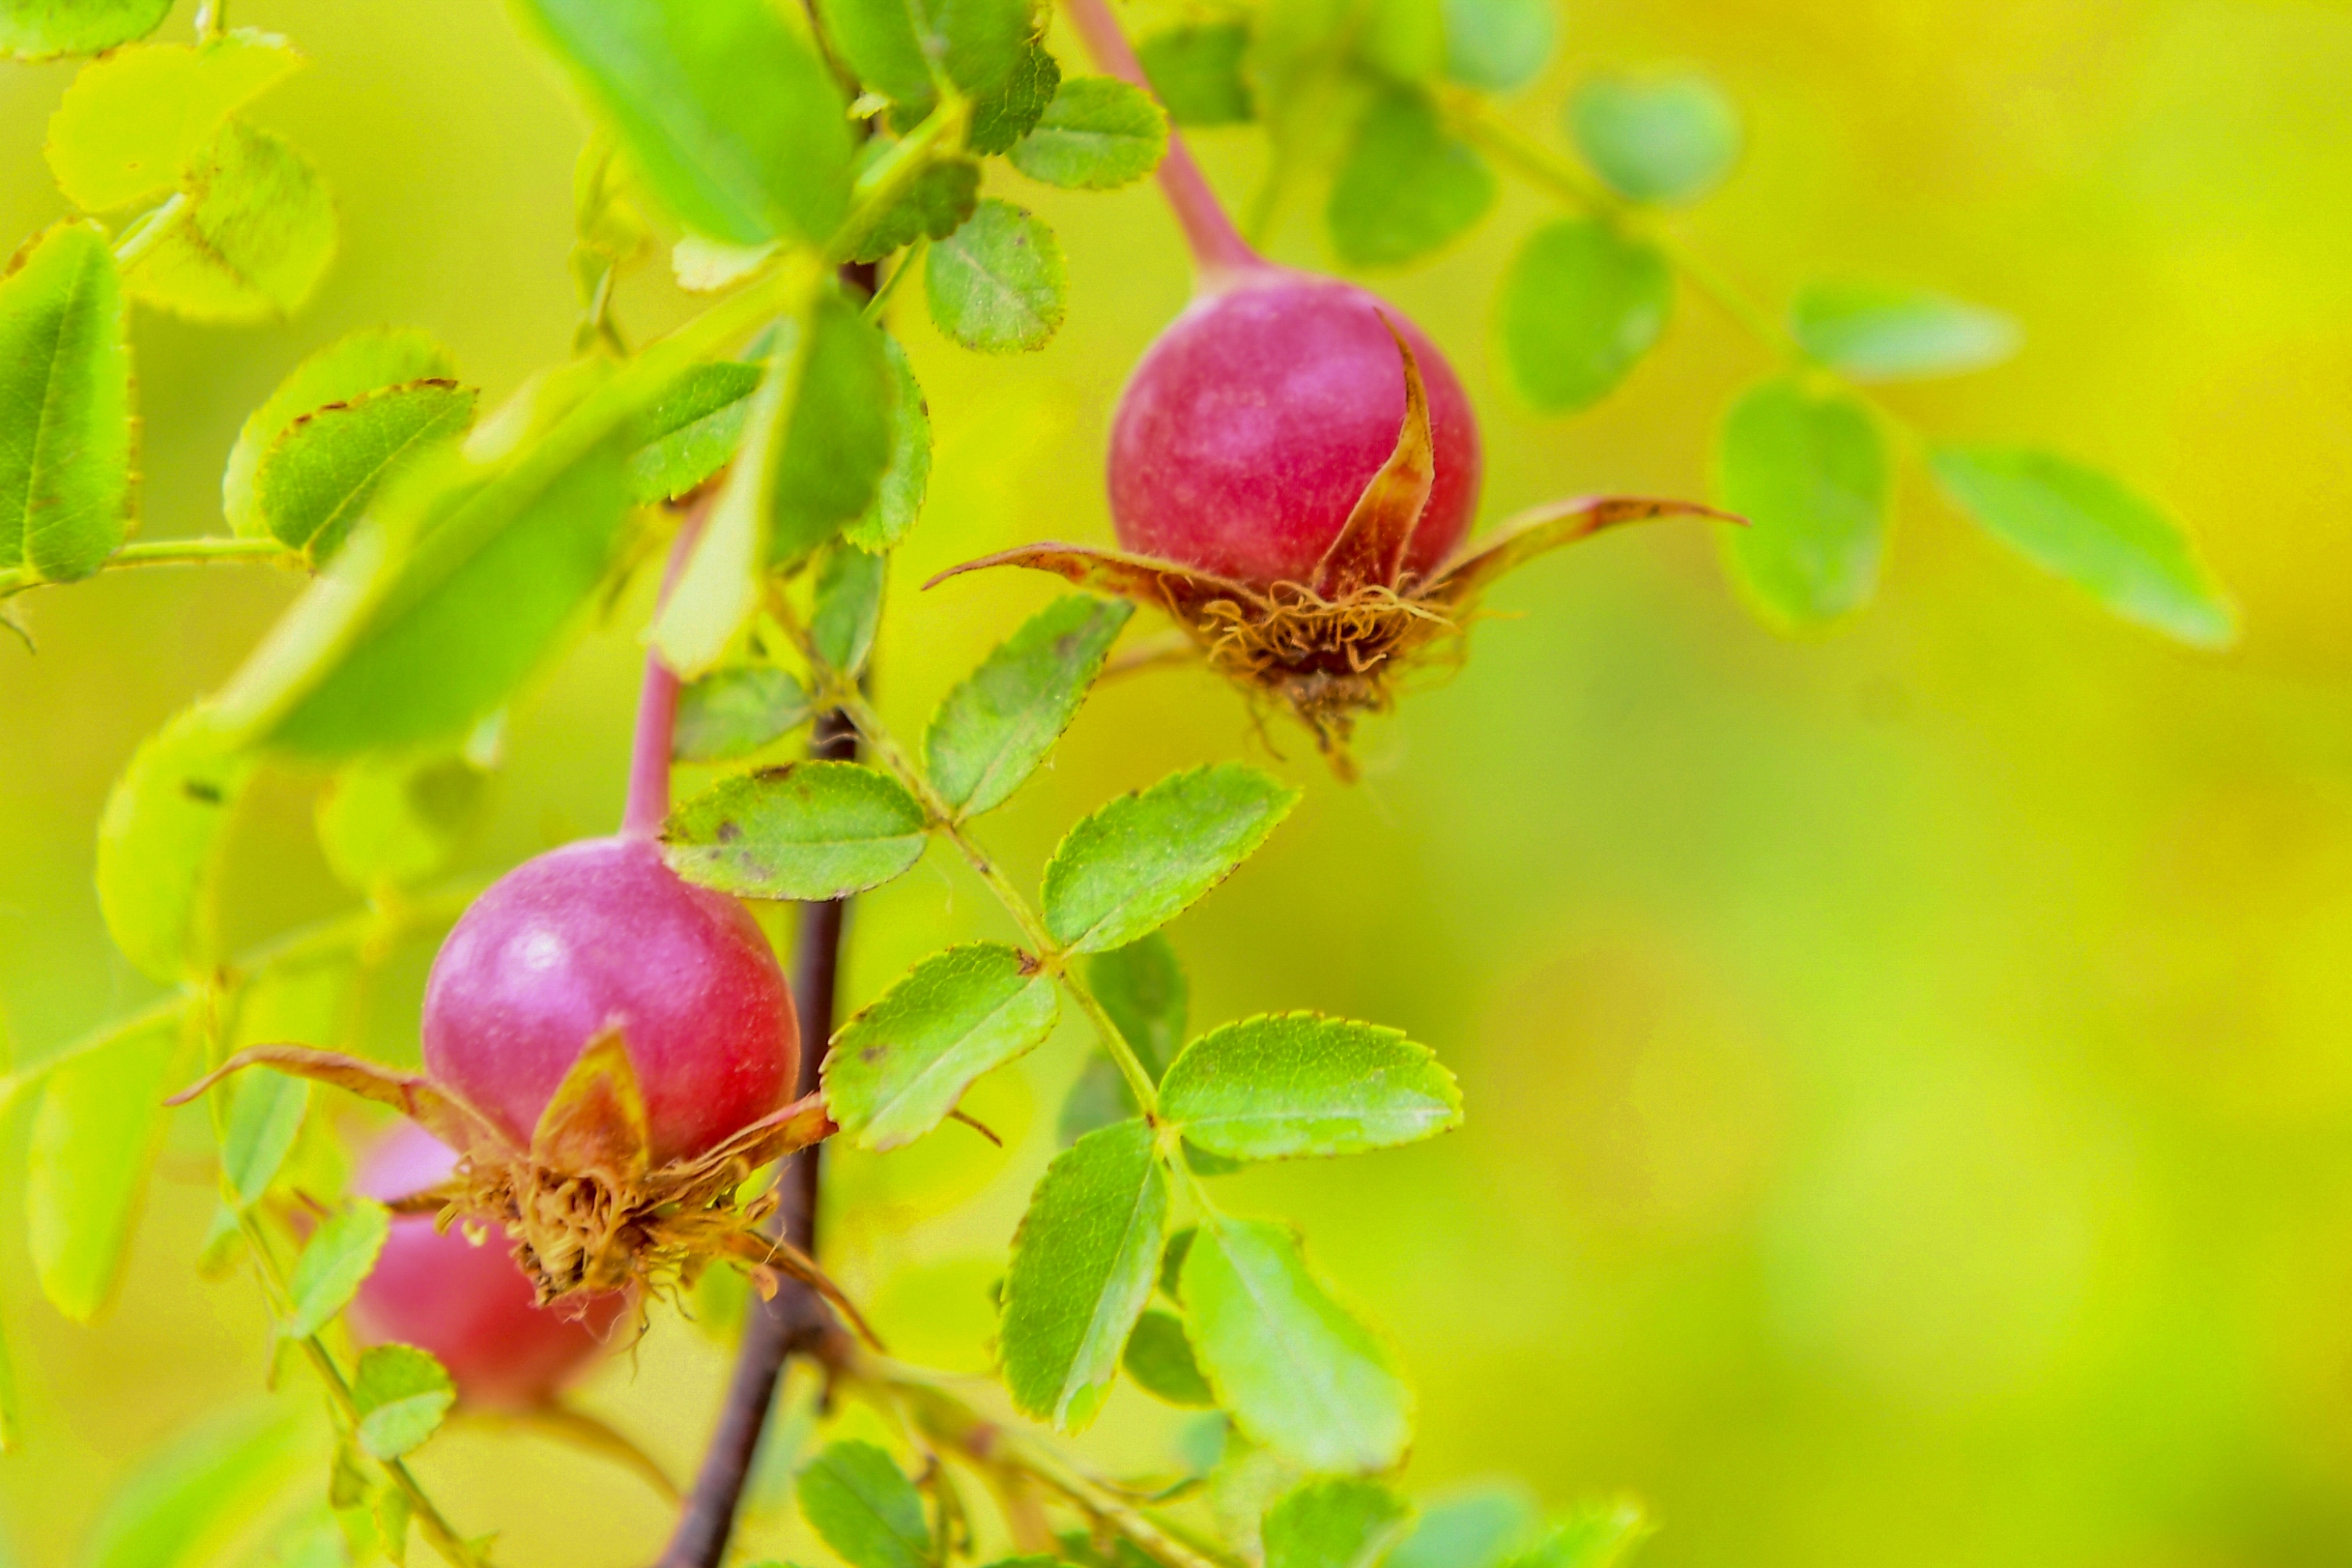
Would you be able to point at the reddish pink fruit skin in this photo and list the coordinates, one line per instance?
(1253, 423)
(601, 934)
(470, 1305)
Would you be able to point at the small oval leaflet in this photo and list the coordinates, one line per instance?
(997, 284)
(401, 1393)
(135, 120)
(734, 713)
(351, 366)
(1407, 185)
(806, 831)
(1097, 134)
(65, 358)
(1334, 1521)
(853, 1495)
(1667, 139)
(1160, 1358)
(252, 241)
(328, 1274)
(94, 1140)
(1143, 859)
(1810, 473)
(159, 844)
(1581, 303)
(1292, 1084)
(993, 731)
(1878, 333)
(898, 1067)
(321, 473)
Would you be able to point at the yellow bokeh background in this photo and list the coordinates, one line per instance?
(1909, 1070)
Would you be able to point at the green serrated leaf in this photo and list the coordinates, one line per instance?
(350, 367)
(1295, 1370)
(393, 822)
(44, 29)
(1083, 1262)
(848, 607)
(1196, 70)
(806, 831)
(1667, 139)
(898, 494)
(64, 407)
(1808, 471)
(2081, 525)
(1004, 115)
(997, 285)
(401, 1393)
(1407, 184)
(855, 1495)
(1592, 1535)
(94, 1139)
(1581, 303)
(1142, 988)
(184, 1504)
(932, 204)
(328, 1274)
(160, 841)
(320, 474)
(879, 41)
(670, 81)
(991, 730)
(1143, 859)
(1097, 134)
(1475, 1528)
(1171, 1261)
(1497, 44)
(252, 242)
(427, 619)
(691, 430)
(136, 117)
(1283, 1085)
(1335, 1523)
(265, 1115)
(837, 439)
(1160, 1358)
(735, 712)
(1882, 333)
(717, 589)
(898, 1067)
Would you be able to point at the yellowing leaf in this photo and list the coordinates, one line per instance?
(44, 29)
(248, 239)
(159, 844)
(135, 120)
(94, 1140)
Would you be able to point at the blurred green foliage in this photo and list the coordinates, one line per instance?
(1907, 1111)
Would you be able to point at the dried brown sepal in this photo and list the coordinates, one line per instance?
(594, 1122)
(435, 1109)
(1370, 549)
(764, 1257)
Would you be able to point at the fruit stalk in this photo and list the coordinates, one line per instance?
(1218, 248)
(648, 800)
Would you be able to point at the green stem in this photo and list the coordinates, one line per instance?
(199, 552)
(151, 227)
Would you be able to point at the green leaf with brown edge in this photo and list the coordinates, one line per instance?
(998, 284)
(992, 729)
(185, 1504)
(1407, 184)
(1004, 115)
(847, 607)
(1334, 1521)
(64, 407)
(1875, 331)
(2080, 524)
(264, 1117)
(1196, 68)
(734, 713)
(321, 473)
(1097, 134)
(691, 430)
(1083, 1262)
(391, 822)
(898, 494)
(837, 437)
(855, 1498)
(725, 110)
(136, 117)
(1477, 1527)
(1580, 304)
(1160, 1358)
(428, 618)
(44, 30)
(1143, 859)
(899, 1067)
(1297, 1371)
(1808, 471)
(326, 1276)
(401, 1393)
(94, 1139)
(351, 366)
(250, 244)
(159, 840)
(1597, 1534)
(1283, 1085)
(1668, 138)
(805, 831)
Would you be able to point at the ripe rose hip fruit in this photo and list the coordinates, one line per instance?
(1253, 426)
(602, 935)
(471, 1306)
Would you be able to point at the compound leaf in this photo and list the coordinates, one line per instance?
(1097, 134)
(1146, 858)
(855, 1495)
(898, 1067)
(1083, 1263)
(806, 831)
(1297, 1371)
(159, 842)
(135, 118)
(1670, 139)
(1285, 1085)
(64, 407)
(94, 1140)
(1808, 471)
(252, 242)
(991, 732)
(2079, 524)
(402, 1394)
(1581, 303)
(1406, 186)
(997, 284)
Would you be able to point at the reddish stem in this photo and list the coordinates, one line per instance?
(1218, 248)
(648, 803)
